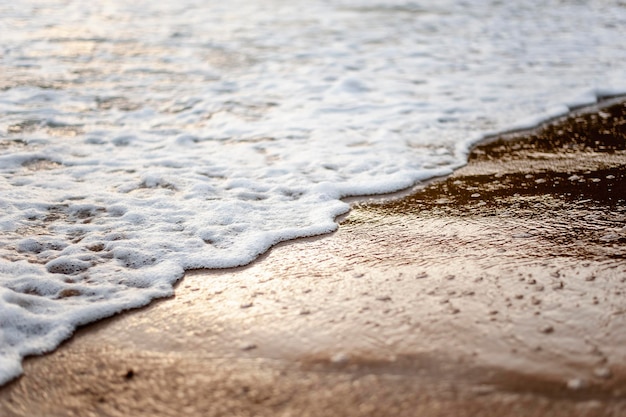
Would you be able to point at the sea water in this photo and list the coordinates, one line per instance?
(139, 138)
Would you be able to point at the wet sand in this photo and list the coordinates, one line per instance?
(500, 290)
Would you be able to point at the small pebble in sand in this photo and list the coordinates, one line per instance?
(576, 383)
(475, 195)
(590, 278)
(610, 237)
(558, 286)
(547, 329)
(383, 298)
(604, 373)
(246, 304)
(340, 358)
(248, 346)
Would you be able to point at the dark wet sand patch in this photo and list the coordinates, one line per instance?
(567, 177)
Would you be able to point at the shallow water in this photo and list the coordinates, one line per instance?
(138, 139)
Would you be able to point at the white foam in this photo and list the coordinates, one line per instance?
(139, 139)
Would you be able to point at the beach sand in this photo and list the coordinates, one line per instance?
(498, 291)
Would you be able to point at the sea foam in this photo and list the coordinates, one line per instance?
(141, 139)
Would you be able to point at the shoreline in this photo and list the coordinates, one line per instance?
(467, 299)
(505, 135)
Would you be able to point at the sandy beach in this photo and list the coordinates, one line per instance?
(498, 291)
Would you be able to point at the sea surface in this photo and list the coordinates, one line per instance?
(139, 138)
